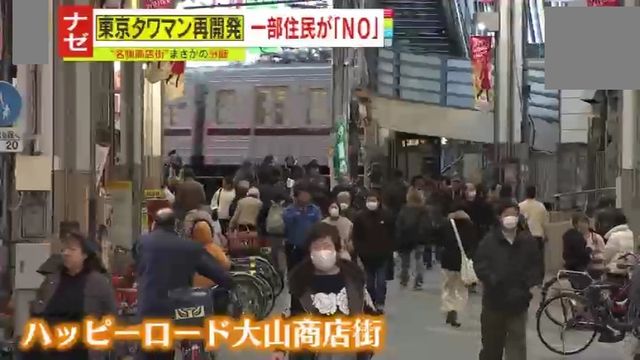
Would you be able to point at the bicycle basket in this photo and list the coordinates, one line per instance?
(579, 280)
(191, 306)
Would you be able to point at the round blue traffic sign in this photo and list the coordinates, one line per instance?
(10, 104)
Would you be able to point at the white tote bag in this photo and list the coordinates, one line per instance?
(467, 273)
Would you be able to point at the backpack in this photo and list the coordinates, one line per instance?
(275, 222)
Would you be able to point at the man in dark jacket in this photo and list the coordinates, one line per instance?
(373, 232)
(507, 263)
(395, 193)
(165, 261)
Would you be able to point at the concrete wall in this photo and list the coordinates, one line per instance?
(574, 117)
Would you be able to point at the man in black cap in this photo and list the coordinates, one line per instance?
(166, 261)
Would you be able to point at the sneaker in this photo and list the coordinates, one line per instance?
(380, 309)
(608, 336)
(452, 319)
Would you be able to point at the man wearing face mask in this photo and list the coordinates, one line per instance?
(507, 263)
(373, 232)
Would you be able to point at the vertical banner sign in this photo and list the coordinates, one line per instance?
(75, 31)
(603, 3)
(481, 66)
(340, 166)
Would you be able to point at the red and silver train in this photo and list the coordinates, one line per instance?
(244, 112)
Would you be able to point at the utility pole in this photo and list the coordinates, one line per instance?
(6, 160)
(197, 159)
(527, 126)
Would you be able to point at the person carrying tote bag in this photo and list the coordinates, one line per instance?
(457, 239)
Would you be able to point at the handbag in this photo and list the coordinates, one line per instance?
(244, 240)
(467, 273)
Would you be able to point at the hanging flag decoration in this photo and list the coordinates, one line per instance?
(603, 3)
(171, 72)
(481, 67)
(340, 166)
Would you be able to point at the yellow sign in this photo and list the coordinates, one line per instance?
(165, 54)
(169, 28)
(154, 194)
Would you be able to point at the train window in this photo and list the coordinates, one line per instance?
(262, 106)
(318, 111)
(278, 105)
(225, 103)
(270, 105)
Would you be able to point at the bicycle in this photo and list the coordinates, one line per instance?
(192, 306)
(602, 307)
(259, 282)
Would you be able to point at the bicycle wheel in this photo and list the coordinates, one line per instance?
(262, 266)
(275, 279)
(268, 296)
(577, 331)
(552, 288)
(249, 293)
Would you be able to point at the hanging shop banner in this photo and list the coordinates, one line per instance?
(603, 3)
(481, 67)
(340, 165)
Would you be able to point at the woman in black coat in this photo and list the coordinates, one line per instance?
(454, 291)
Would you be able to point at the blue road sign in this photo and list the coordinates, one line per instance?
(10, 104)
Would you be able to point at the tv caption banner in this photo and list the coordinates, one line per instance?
(88, 34)
(306, 333)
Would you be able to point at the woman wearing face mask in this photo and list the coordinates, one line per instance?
(327, 285)
(77, 289)
(345, 229)
(373, 232)
(344, 202)
(507, 263)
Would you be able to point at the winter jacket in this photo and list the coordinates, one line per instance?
(394, 196)
(575, 252)
(481, 214)
(345, 229)
(246, 213)
(166, 261)
(451, 257)
(99, 298)
(508, 271)
(373, 233)
(412, 228)
(619, 242)
(199, 225)
(359, 301)
(297, 221)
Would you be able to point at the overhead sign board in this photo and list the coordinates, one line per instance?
(10, 108)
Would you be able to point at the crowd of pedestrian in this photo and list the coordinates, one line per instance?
(338, 248)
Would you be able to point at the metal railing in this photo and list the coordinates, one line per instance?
(585, 200)
(447, 81)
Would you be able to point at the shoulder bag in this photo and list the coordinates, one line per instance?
(467, 273)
